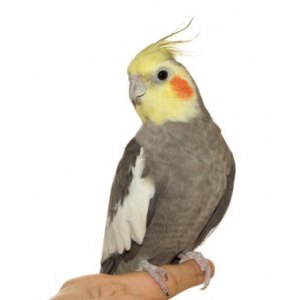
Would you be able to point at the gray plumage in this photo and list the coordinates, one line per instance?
(193, 172)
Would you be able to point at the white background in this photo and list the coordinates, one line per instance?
(65, 118)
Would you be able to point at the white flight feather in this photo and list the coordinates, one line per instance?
(129, 222)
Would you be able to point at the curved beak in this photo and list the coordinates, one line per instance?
(136, 89)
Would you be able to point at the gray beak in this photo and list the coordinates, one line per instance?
(136, 89)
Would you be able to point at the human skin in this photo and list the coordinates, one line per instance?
(132, 286)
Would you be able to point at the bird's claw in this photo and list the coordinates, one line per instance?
(202, 262)
(159, 275)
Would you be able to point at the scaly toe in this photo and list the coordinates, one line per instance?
(159, 275)
(202, 262)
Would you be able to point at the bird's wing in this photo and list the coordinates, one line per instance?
(132, 204)
(220, 210)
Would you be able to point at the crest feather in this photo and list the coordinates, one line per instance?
(161, 50)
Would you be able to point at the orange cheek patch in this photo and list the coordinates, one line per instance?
(181, 87)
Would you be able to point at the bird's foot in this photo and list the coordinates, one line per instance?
(202, 262)
(159, 275)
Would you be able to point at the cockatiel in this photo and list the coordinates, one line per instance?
(174, 182)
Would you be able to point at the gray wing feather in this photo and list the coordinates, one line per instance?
(220, 210)
(123, 176)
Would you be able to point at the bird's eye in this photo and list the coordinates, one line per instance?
(162, 75)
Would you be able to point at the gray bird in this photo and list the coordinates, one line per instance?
(174, 182)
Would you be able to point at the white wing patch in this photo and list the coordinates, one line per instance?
(129, 222)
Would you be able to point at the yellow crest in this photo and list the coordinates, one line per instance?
(161, 50)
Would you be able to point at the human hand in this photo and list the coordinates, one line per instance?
(132, 286)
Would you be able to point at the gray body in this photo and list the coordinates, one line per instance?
(193, 172)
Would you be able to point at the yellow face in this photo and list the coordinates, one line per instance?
(161, 89)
